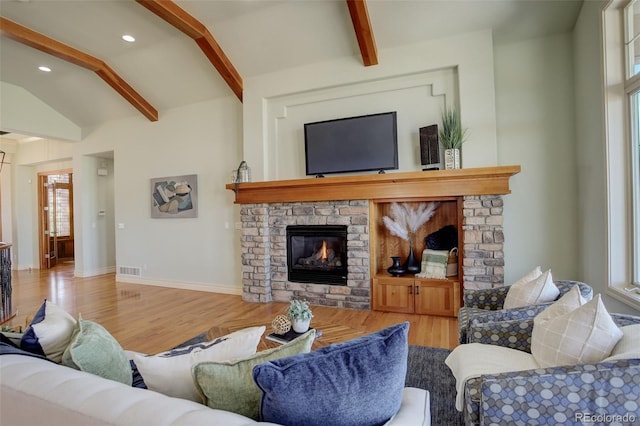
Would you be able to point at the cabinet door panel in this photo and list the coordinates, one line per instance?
(393, 294)
(437, 297)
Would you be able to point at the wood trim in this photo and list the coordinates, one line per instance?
(364, 32)
(183, 21)
(405, 185)
(70, 54)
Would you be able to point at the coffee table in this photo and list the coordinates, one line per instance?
(331, 333)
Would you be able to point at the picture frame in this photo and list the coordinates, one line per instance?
(174, 197)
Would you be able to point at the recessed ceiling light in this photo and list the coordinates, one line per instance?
(45, 69)
(128, 38)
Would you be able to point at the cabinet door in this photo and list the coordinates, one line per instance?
(437, 297)
(393, 294)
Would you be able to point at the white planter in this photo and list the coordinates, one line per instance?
(300, 326)
(451, 159)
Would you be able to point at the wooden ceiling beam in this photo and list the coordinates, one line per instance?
(364, 32)
(183, 21)
(70, 54)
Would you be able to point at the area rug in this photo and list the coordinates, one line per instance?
(425, 370)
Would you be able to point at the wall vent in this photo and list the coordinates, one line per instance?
(130, 270)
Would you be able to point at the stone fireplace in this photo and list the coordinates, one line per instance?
(265, 273)
(264, 252)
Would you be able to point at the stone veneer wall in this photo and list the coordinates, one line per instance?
(483, 263)
(264, 257)
(264, 252)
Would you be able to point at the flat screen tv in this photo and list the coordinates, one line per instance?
(354, 144)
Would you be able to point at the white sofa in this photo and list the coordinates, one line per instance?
(34, 391)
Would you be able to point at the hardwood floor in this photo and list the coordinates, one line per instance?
(152, 319)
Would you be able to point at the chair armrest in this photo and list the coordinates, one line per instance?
(524, 313)
(514, 334)
(488, 298)
(560, 394)
(467, 317)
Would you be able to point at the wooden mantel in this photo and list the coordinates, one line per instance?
(437, 183)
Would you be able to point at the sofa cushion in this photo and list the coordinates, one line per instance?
(93, 350)
(537, 290)
(352, 383)
(229, 385)
(586, 334)
(629, 345)
(170, 372)
(49, 332)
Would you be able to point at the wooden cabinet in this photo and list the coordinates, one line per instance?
(416, 295)
(407, 293)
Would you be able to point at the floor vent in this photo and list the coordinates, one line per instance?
(130, 270)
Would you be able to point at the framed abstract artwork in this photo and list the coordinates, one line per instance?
(174, 197)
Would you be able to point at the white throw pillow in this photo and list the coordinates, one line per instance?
(570, 301)
(49, 333)
(170, 372)
(584, 335)
(529, 276)
(527, 293)
(629, 345)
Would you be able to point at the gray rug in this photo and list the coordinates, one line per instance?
(425, 370)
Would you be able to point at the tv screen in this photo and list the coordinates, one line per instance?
(354, 144)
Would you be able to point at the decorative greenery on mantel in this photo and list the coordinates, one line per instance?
(452, 135)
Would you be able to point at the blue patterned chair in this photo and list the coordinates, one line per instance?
(483, 304)
(554, 395)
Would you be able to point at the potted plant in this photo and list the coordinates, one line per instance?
(300, 315)
(452, 136)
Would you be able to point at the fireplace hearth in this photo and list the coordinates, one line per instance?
(317, 254)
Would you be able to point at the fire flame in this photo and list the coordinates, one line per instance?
(323, 250)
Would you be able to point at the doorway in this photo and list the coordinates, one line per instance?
(55, 216)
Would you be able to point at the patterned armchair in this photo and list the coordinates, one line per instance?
(554, 395)
(486, 305)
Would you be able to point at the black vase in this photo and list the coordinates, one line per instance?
(412, 265)
(396, 269)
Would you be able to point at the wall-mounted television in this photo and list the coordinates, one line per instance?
(353, 144)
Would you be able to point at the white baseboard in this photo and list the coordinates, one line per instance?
(182, 285)
(95, 272)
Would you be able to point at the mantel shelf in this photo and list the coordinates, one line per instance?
(437, 183)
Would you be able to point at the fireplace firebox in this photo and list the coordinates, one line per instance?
(317, 254)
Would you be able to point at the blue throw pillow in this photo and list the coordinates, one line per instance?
(359, 382)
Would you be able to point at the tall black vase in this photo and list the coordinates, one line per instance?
(412, 265)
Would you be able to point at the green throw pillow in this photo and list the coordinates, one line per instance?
(229, 385)
(94, 350)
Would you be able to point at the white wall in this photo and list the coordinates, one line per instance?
(416, 80)
(535, 104)
(94, 194)
(29, 160)
(200, 253)
(22, 112)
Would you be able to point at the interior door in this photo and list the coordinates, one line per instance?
(48, 244)
(56, 218)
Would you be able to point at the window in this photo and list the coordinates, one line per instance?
(621, 54)
(60, 205)
(632, 89)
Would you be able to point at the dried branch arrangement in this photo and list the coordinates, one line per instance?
(405, 220)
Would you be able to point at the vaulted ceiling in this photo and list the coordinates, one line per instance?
(169, 67)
